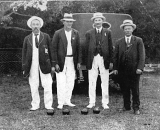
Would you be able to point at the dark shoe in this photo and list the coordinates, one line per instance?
(137, 112)
(50, 111)
(124, 109)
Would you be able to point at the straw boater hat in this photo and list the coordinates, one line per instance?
(33, 18)
(98, 15)
(68, 17)
(128, 22)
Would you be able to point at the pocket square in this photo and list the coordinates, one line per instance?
(46, 50)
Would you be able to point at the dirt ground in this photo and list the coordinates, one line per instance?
(15, 101)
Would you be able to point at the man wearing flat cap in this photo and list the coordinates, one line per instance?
(98, 58)
(129, 60)
(67, 58)
(37, 62)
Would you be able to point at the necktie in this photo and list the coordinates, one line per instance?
(127, 40)
(36, 40)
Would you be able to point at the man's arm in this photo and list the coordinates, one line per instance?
(110, 46)
(54, 45)
(24, 51)
(115, 58)
(141, 55)
(50, 49)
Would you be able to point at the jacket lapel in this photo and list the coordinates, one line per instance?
(94, 35)
(64, 40)
(131, 43)
(30, 39)
(73, 38)
(41, 37)
(103, 35)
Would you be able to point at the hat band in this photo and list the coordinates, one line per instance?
(127, 23)
(67, 18)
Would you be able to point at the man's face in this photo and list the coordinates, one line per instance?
(128, 30)
(98, 22)
(35, 25)
(68, 24)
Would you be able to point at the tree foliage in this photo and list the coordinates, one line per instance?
(145, 14)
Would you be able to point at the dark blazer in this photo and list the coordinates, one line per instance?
(45, 57)
(106, 47)
(59, 44)
(135, 56)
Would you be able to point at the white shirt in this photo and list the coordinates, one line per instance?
(69, 47)
(128, 38)
(100, 29)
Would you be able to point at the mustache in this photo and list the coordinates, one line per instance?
(35, 29)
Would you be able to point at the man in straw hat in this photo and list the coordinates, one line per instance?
(36, 63)
(67, 58)
(98, 58)
(129, 60)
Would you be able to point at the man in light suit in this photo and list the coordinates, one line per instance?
(37, 62)
(98, 58)
(129, 60)
(67, 58)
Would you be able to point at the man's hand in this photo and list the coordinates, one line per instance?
(57, 68)
(138, 71)
(110, 66)
(115, 72)
(78, 66)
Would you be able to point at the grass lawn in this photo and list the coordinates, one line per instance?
(15, 101)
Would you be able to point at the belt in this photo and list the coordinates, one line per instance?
(69, 55)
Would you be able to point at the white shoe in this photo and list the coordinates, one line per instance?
(34, 108)
(91, 105)
(70, 104)
(105, 106)
(60, 106)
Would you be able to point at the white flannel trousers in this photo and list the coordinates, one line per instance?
(65, 82)
(98, 62)
(34, 80)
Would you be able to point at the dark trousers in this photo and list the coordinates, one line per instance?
(130, 86)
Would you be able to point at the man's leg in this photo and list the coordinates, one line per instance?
(61, 87)
(104, 73)
(70, 80)
(92, 76)
(34, 85)
(135, 93)
(46, 80)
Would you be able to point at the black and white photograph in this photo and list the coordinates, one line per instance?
(79, 64)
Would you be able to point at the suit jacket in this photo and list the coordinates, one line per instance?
(106, 47)
(135, 56)
(59, 43)
(45, 57)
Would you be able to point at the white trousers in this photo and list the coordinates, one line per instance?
(65, 82)
(46, 81)
(98, 62)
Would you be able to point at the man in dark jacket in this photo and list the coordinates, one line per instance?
(98, 58)
(67, 58)
(37, 62)
(129, 60)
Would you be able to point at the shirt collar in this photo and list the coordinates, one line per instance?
(34, 34)
(100, 29)
(128, 37)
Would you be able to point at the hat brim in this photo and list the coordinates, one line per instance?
(65, 19)
(123, 25)
(35, 18)
(102, 17)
